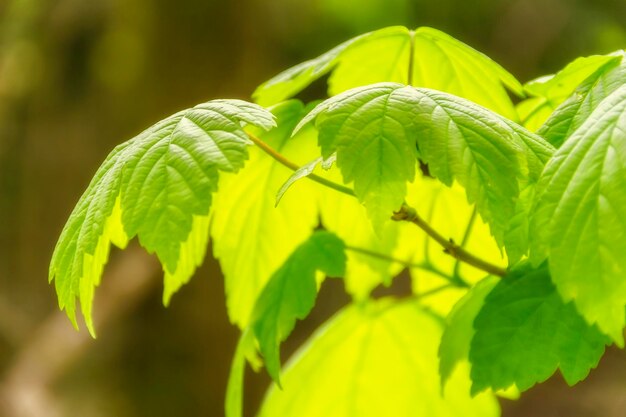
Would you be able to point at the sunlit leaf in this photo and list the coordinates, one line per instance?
(304, 171)
(578, 218)
(374, 359)
(443, 63)
(570, 115)
(557, 87)
(548, 92)
(157, 186)
(377, 130)
(252, 237)
(290, 82)
(435, 60)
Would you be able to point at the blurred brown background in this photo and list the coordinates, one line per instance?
(78, 77)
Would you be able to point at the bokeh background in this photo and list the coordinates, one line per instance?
(78, 77)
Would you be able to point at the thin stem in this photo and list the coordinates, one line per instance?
(409, 214)
(411, 265)
(466, 236)
(434, 291)
(384, 257)
(294, 167)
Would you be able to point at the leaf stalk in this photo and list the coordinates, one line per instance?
(294, 167)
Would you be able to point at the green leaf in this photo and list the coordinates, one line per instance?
(291, 291)
(373, 133)
(457, 337)
(434, 59)
(516, 235)
(303, 172)
(557, 87)
(252, 237)
(578, 218)
(293, 80)
(374, 359)
(377, 130)
(344, 216)
(548, 92)
(443, 63)
(570, 115)
(516, 240)
(157, 186)
(525, 331)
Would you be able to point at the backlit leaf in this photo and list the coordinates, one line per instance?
(574, 111)
(578, 218)
(435, 60)
(377, 130)
(252, 237)
(371, 360)
(548, 92)
(157, 186)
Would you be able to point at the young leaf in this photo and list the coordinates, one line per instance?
(425, 57)
(574, 111)
(304, 171)
(525, 331)
(376, 131)
(548, 92)
(373, 133)
(371, 360)
(557, 87)
(252, 237)
(578, 218)
(291, 291)
(457, 337)
(157, 186)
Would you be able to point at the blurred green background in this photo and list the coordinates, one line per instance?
(78, 77)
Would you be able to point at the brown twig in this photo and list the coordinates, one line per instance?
(409, 214)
